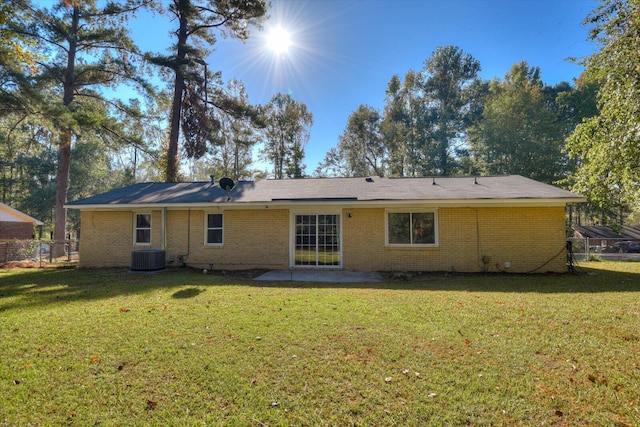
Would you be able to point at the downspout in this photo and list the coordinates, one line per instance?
(188, 232)
(183, 257)
(163, 230)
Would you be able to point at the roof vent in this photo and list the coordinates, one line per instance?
(369, 179)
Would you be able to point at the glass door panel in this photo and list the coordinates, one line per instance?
(317, 240)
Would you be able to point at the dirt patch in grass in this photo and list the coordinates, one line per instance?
(20, 264)
(59, 263)
(36, 264)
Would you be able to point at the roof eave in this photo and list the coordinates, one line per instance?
(20, 216)
(507, 202)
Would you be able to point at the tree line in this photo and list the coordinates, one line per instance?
(84, 110)
(445, 121)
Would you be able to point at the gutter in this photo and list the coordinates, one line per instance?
(528, 202)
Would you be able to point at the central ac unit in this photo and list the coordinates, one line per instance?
(147, 260)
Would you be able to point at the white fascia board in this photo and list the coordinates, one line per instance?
(9, 214)
(353, 204)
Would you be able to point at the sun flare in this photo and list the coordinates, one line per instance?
(279, 40)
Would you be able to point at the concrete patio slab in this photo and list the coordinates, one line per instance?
(332, 276)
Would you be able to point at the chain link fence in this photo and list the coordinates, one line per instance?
(38, 252)
(605, 249)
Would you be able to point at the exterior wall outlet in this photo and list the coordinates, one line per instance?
(507, 264)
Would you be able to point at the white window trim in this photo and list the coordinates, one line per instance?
(436, 225)
(135, 228)
(206, 228)
(292, 236)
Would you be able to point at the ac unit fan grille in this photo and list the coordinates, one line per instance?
(147, 260)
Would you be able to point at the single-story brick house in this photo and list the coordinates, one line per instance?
(369, 224)
(16, 225)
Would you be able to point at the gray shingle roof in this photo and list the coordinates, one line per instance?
(326, 190)
(627, 232)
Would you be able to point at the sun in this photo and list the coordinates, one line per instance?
(279, 40)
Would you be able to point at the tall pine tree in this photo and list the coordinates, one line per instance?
(195, 91)
(88, 49)
(448, 75)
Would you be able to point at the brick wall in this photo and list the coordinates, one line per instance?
(524, 237)
(16, 230)
(106, 239)
(252, 239)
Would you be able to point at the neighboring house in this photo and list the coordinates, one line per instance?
(601, 235)
(374, 224)
(16, 225)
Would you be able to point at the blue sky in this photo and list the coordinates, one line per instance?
(344, 53)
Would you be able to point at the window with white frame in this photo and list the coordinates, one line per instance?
(142, 230)
(412, 228)
(214, 230)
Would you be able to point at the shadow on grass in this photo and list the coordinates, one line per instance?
(187, 293)
(36, 287)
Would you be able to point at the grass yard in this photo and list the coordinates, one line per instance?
(182, 348)
(310, 257)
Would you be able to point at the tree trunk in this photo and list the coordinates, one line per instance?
(176, 107)
(62, 178)
(64, 147)
(444, 148)
(174, 134)
(236, 154)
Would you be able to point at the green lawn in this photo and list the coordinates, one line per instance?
(183, 348)
(308, 257)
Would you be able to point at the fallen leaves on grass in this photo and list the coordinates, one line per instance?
(95, 358)
(124, 309)
(592, 378)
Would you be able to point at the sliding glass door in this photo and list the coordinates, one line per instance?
(317, 240)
